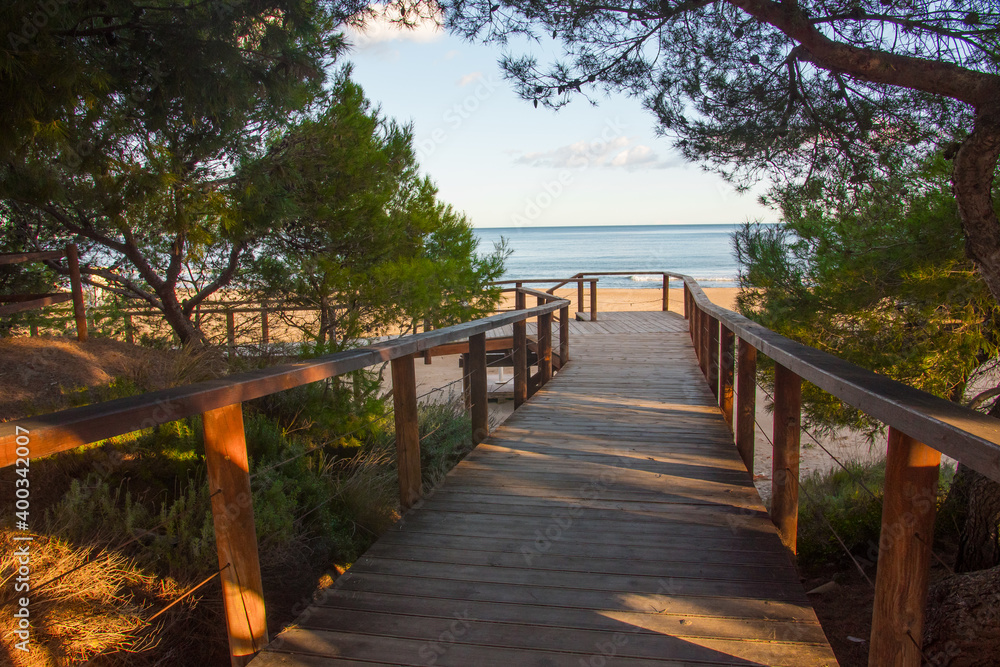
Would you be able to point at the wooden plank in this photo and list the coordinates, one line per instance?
(34, 304)
(493, 344)
(21, 257)
(911, 475)
(228, 469)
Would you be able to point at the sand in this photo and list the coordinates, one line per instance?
(628, 300)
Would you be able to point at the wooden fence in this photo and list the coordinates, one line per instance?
(921, 427)
(16, 303)
(219, 402)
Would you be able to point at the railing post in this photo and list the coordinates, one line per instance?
(477, 381)
(666, 292)
(593, 300)
(687, 302)
(265, 333)
(467, 385)
(228, 471)
(544, 346)
(704, 342)
(726, 363)
(579, 295)
(76, 287)
(404, 401)
(129, 329)
(746, 402)
(713, 355)
(520, 355)
(563, 336)
(785, 471)
(911, 476)
(231, 330)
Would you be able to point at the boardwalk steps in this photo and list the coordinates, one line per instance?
(610, 520)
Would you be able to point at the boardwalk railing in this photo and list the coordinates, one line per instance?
(921, 427)
(219, 402)
(587, 308)
(16, 303)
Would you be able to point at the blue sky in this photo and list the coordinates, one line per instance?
(507, 164)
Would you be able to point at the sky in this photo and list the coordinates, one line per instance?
(507, 164)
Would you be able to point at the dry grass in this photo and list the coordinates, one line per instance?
(43, 374)
(94, 608)
(367, 489)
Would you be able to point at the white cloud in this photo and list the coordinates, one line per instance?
(454, 53)
(471, 77)
(382, 27)
(616, 153)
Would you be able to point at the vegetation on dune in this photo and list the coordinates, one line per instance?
(133, 515)
(193, 150)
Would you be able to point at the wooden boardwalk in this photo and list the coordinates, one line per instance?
(609, 521)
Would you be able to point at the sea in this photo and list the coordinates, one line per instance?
(703, 252)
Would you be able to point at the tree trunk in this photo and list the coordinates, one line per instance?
(979, 541)
(972, 182)
(188, 333)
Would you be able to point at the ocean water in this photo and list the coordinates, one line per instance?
(702, 251)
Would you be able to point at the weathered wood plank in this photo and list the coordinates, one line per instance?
(612, 501)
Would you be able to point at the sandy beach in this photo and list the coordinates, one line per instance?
(629, 300)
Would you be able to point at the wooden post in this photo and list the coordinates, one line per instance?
(713, 355)
(563, 336)
(911, 475)
(129, 329)
(466, 385)
(704, 340)
(746, 402)
(404, 401)
(520, 356)
(230, 330)
(76, 287)
(785, 472)
(477, 381)
(687, 302)
(726, 363)
(33, 330)
(235, 535)
(593, 300)
(579, 295)
(666, 292)
(544, 348)
(265, 333)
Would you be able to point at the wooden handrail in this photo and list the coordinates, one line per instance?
(952, 429)
(60, 431)
(220, 404)
(921, 427)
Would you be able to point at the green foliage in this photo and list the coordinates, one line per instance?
(840, 499)
(361, 236)
(445, 439)
(876, 275)
(127, 123)
(25, 278)
(847, 503)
